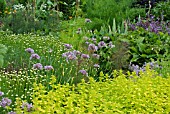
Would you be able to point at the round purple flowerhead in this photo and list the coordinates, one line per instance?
(75, 52)
(92, 47)
(111, 45)
(29, 50)
(34, 56)
(68, 46)
(1, 93)
(96, 66)
(101, 44)
(27, 106)
(83, 72)
(5, 102)
(85, 56)
(38, 66)
(48, 67)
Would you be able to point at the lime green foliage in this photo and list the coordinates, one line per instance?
(3, 50)
(148, 93)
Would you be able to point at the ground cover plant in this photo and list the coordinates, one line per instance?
(108, 60)
(146, 93)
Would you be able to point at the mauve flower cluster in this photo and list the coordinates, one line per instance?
(29, 50)
(137, 69)
(69, 56)
(92, 48)
(39, 66)
(85, 56)
(83, 72)
(27, 106)
(34, 56)
(77, 55)
(151, 25)
(4, 101)
(101, 44)
(48, 67)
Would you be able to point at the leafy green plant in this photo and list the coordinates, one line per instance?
(2, 6)
(120, 10)
(162, 10)
(144, 46)
(26, 19)
(3, 50)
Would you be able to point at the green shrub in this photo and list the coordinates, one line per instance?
(24, 19)
(103, 11)
(162, 10)
(3, 51)
(2, 6)
(144, 46)
(147, 93)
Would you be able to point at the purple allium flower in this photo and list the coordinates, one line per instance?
(111, 45)
(88, 20)
(68, 46)
(29, 50)
(1, 93)
(34, 56)
(5, 102)
(27, 105)
(76, 52)
(69, 56)
(92, 47)
(106, 38)
(96, 66)
(11, 112)
(49, 67)
(96, 56)
(38, 66)
(83, 72)
(72, 57)
(101, 44)
(85, 56)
